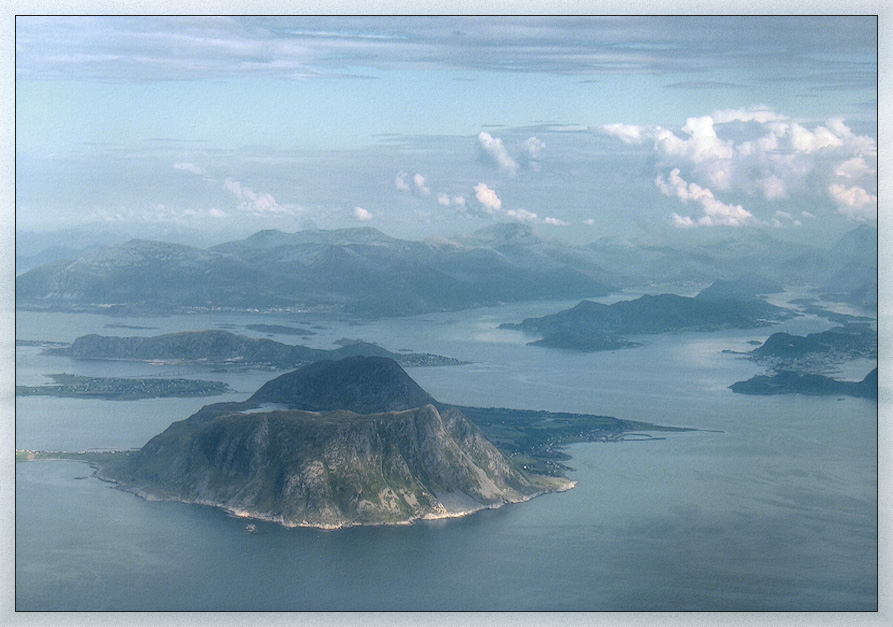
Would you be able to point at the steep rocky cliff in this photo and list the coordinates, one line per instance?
(325, 464)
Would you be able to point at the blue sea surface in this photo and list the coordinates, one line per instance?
(772, 505)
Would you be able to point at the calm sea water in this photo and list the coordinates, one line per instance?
(774, 508)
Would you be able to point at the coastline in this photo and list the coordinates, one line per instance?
(561, 484)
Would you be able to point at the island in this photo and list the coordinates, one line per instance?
(330, 445)
(123, 388)
(815, 351)
(787, 382)
(224, 348)
(591, 326)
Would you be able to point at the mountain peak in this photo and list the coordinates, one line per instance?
(363, 385)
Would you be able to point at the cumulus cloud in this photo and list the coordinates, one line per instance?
(854, 168)
(589, 221)
(189, 167)
(762, 154)
(627, 133)
(854, 202)
(494, 149)
(419, 181)
(254, 202)
(488, 198)
(716, 212)
(216, 213)
(362, 214)
(554, 222)
(521, 215)
(400, 182)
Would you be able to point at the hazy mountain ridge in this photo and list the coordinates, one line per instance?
(359, 271)
(364, 272)
(392, 464)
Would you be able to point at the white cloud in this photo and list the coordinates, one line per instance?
(716, 213)
(762, 154)
(627, 133)
(189, 167)
(400, 182)
(361, 214)
(492, 146)
(589, 221)
(443, 199)
(488, 198)
(533, 147)
(216, 213)
(761, 115)
(554, 222)
(854, 202)
(807, 214)
(419, 182)
(854, 168)
(254, 202)
(773, 188)
(804, 140)
(521, 215)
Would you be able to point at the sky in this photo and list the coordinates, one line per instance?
(204, 129)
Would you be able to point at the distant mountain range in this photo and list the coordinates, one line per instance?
(225, 348)
(333, 444)
(358, 271)
(592, 326)
(366, 273)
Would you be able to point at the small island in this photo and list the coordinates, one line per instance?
(123, 388)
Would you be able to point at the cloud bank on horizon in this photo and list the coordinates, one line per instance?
(439, 125)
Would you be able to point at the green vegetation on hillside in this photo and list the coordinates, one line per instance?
(122, 389)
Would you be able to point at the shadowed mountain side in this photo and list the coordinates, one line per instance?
(402, 459)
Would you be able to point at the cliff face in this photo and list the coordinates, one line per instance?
(331, 469)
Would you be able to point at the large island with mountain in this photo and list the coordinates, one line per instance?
(332, 444)
(591, 326)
